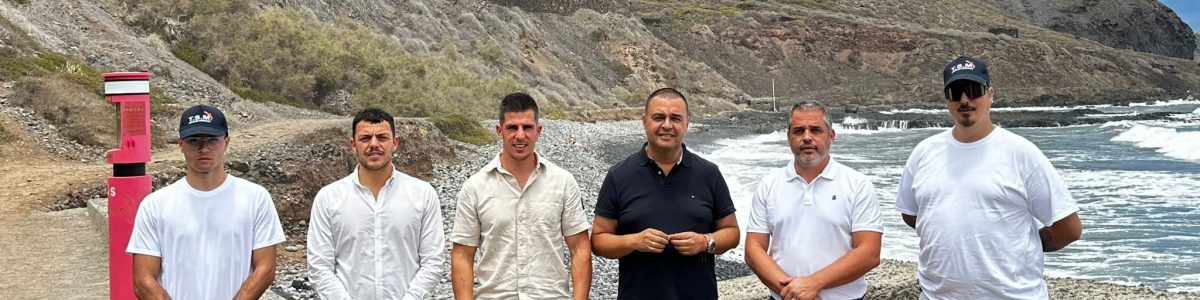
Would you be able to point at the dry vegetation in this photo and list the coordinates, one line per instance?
(83, 116)
(290, 57)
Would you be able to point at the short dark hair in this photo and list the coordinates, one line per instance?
(669, 93)
(808, 105)
(518, 102)
(372, 116)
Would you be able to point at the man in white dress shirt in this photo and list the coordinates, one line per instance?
(814, 225)
(376, 234)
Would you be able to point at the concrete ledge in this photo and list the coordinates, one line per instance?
(97, 211)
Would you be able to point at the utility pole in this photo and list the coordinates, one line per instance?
(774, 104)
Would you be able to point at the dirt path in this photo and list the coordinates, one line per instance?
(62, 255)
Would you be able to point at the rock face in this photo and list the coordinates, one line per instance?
(1140, 25)
(867, 53)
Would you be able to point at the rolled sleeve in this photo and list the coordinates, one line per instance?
(466, 218)
(573, 219)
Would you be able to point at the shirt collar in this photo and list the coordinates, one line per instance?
(685, 157)
(354, 177)
(830, 172)
(494, 165)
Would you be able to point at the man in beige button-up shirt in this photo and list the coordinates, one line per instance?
(517, 210)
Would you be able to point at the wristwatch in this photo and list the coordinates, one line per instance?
(712, 243)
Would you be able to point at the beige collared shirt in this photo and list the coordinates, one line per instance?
(519, 234)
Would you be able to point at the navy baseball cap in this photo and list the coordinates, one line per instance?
(202, 120)
(965, 68)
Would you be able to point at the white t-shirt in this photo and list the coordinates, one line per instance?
(979, 207)
(811, 225)
(205, 238)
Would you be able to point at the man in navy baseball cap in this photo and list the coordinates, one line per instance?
(209, 235)
(978, 185)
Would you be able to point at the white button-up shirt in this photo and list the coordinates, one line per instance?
(360, 247)
(520, 233)
(811, 224)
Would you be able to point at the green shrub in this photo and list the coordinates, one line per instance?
(599, 36)
(261, 96)
(729, 11)
(72, 70)
(188, 53)
(489, 50)
(14, 65)
(462, 128)
(293, 55)
(620, 69)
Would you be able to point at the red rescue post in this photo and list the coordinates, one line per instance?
(129, 184)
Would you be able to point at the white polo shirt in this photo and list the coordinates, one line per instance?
(811, 224)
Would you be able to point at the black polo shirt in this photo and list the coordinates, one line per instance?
(692, 198)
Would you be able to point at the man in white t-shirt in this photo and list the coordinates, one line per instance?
(814, 224)
(209, 235)
(377, 233)
(985, 202)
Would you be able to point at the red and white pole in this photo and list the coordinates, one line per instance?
(129, 183)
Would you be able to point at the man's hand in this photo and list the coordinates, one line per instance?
(650, 240)
(799, 288)
(689, 243)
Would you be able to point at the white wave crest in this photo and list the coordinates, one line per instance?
(1168, 141)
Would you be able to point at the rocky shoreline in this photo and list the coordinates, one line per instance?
(587, 150)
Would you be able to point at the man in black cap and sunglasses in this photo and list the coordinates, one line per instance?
(985, 202)
(209, 235)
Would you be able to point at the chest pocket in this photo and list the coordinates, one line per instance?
(545, 212)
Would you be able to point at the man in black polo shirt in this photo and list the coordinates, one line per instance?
(664, 212)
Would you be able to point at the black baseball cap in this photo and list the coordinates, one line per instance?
(202, 120)
(965, 68)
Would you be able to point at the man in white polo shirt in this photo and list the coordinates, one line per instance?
(209, 235)
(814, 224)
(518, 211)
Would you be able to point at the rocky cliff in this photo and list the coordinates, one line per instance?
(606, 55)
(1140, 25)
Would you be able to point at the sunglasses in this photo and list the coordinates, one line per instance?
(194, 143)
(972, 89)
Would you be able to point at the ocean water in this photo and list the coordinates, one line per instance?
(1137, 184)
